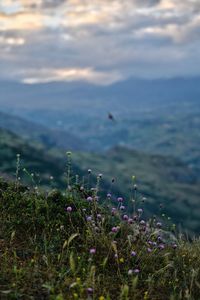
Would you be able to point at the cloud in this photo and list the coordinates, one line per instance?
(88, 75)
(100, 41)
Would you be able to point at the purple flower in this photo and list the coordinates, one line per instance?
(69, 209)
(120, 199)
(154, 244)
(113, 211)
(140, 210)
(161, 246)
(133, 253)
(89, 199)
(89, 290)
(174, 246)
(130, 221)
(136, 271)
(149, 250)
(115, 229)
(122, 207)
(100, 175)
(125, 217)
(116, 256)
(89, 171)
(109, 195)
(92, 251)
(89, 218)
(150, 242)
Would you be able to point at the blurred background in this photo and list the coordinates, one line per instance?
(115, 82)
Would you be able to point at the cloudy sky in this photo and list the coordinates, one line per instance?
(100, 41)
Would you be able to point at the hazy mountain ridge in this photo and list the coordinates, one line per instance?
(161, 116)
(35, 132)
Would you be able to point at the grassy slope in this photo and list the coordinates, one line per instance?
(46, 252)
(160, 179)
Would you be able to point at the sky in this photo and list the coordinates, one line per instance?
(98, 41)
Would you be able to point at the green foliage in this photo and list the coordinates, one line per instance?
(51, 252)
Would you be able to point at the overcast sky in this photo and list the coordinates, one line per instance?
(100, 41)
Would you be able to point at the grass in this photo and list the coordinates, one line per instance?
(77, 245)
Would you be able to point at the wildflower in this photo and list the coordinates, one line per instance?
(120, 199)
(136, 271)
(174, 246)
(100, 175)
(150, 242)
(159, 224)
(121, 260)
(113, 211)
(140, 210)
(161, 246)
(122, 207)
(99, 216)
(130, 221)
(89, 290)
(125, 217)
(130, 272)
(89, 218)
(96, 198)
(114, 229)
(89, 199)
(69, 209)
(135, 187)
(82, 188)
(149, 250)
(109, 195)
(101, 298)
(89, 171)
(92, 251)
(116, 256)
(142, 222)
(133, 253)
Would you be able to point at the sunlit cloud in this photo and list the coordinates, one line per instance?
(88, 75)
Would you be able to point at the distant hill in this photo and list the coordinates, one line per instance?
(161, 116)
(34, 132)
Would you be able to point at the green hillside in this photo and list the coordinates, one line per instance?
(164, 181)
(74, 248)
(39, 133)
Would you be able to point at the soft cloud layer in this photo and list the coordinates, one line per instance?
(99, 41)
